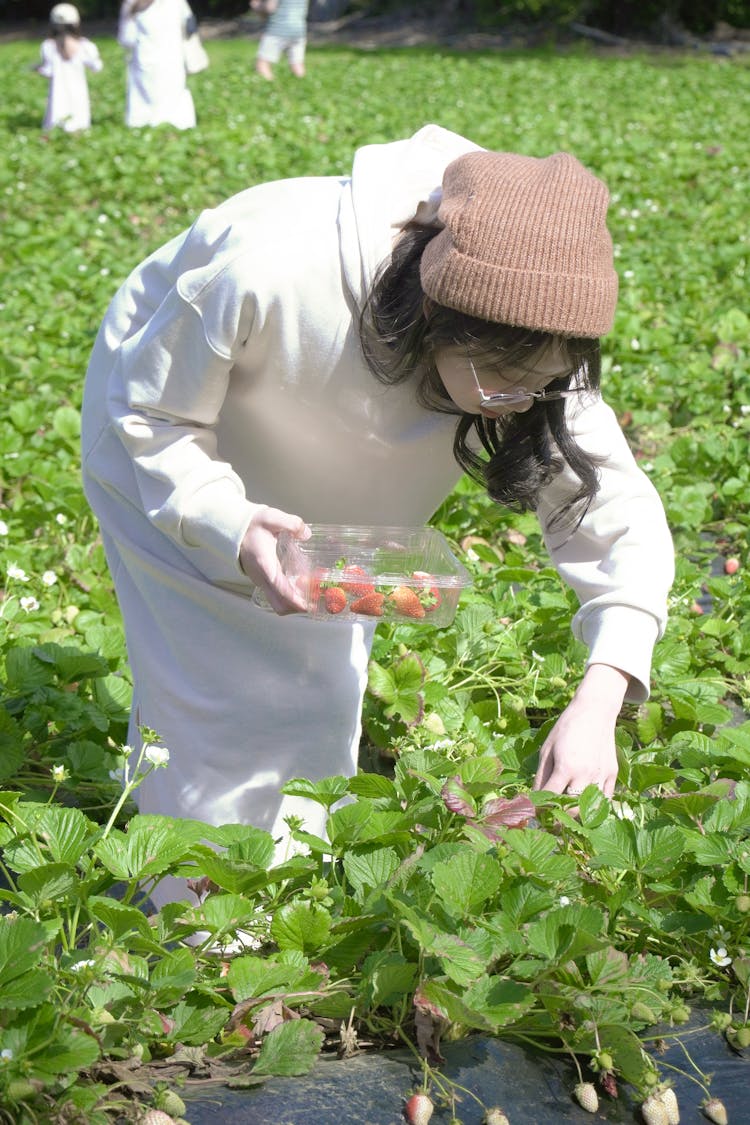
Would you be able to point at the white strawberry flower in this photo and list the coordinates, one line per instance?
(14, 571)
(49, 578)
(156, 755)
(29, 604)
(719, 956)
(623, 810)
(59, 773)
(3, 527)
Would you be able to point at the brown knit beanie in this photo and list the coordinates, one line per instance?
(525, 243)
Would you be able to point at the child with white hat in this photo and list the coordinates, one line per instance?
(65, 56)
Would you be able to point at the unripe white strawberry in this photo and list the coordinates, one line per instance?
(669, 1098)
(495, 1116)
(418, 1109)
(715, 1111)
(587, 1096)
(156, 1117)
(654, 1110)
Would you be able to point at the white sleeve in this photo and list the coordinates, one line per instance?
(127, 32)
(45, 67)
(91, 58)
(172, 379)
(620, 560)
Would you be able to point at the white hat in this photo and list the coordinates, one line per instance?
(65, 15)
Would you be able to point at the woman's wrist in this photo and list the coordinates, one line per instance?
(603, 686)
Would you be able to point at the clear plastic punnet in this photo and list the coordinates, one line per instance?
(376, 573)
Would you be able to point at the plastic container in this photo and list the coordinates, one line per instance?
(374, 573)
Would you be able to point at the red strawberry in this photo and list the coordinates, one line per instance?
(335, 599)
(406, 602)
(731, 566)
(418, 1109)
(428, 594)
(356, 582)
(370, 604)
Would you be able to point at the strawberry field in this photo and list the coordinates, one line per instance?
(451, 899)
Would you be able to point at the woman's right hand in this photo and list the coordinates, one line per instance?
(261, 564)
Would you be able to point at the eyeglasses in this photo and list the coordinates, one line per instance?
(519, 394)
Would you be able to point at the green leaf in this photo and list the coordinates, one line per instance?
(48, 883)
(399, 687)
(70, 1051)
(467, 882)
(22, 943)
(119, 918)
(504, 1002)
(26, 991)
(225, 913)
(198, 1018)
(24, 671)
(626, 1050)
(613, 845)
(373, 785)
(566, 933)
(172, 976)
(301, 926)
(12, 749)
(370, 870)
(457, 959)
(326, 792)
(659, 849)
(347, 825)
(67, 833)
(386, 977)
(290, 1049)
(251, 976)
(66, 422)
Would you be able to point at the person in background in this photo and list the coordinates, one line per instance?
(153, 32)
(285, 33)
(340, 349)
(65, 57)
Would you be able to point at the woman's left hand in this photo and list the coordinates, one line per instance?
(580, 748)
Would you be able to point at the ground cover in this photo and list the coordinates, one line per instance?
(455, 899)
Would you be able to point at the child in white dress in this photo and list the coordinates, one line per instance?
(153, 33)
(65, 56)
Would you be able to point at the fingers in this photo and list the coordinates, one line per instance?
(562, 782)
(562, 776)
(259, 558)
(276, 521)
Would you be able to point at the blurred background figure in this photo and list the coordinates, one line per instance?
(154, 33)
(65, 56)
(285, 33)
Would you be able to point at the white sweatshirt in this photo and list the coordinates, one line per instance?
(227, 373)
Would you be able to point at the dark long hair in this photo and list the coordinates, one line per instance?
(400, 332)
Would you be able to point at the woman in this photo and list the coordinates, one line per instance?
(153, 32)
(322, 350)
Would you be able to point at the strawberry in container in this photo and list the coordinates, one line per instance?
(395, 574)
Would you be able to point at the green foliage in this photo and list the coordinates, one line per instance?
(450, 897)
